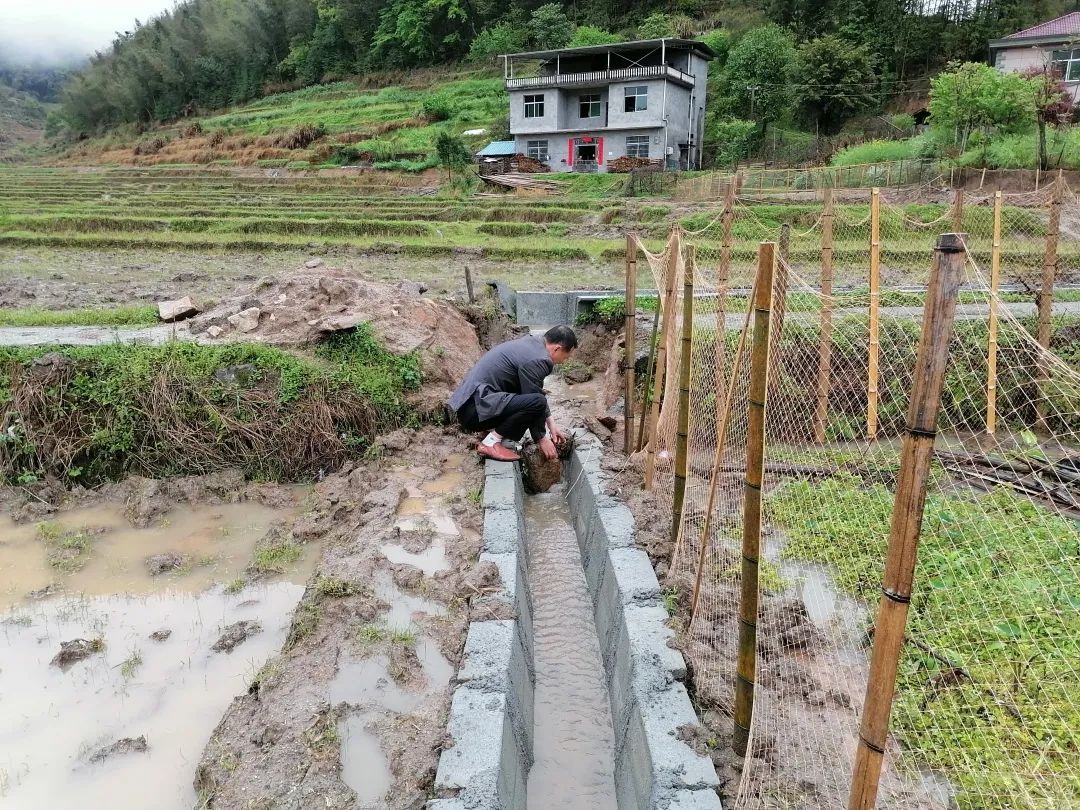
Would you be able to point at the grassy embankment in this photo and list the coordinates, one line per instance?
(186, 409)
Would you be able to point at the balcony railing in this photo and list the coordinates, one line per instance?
(601, 77)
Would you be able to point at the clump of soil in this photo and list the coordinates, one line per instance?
(236, 634)
(125, 745)
(161, 635)
(78, 649)
(300, 307)
(158, 564)
(541, 474)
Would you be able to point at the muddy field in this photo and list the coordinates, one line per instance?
(187, 576)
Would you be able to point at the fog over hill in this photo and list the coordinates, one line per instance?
(63, 33)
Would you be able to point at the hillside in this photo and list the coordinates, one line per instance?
(392, 126)
(22, 123)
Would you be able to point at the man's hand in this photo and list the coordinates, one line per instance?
(547, 447)
(556, 435)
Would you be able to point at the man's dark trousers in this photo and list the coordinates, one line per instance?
(523, 412)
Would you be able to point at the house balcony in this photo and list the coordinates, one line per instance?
(600, 77)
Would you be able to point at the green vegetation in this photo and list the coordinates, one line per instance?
(335, 588)
(276, 554)
(130, 665)
(1014, 715)
(116, 316)
(161, 411)
(235, 585)
(67, 549)
(874, 152)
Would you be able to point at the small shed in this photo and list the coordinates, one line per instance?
(495, 157)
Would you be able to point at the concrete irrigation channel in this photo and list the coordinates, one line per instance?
(515, 694)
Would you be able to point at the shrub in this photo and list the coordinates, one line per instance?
(216, 138)
(874, 152)
(192, 130)
(592, 35)
(150, 146)
(904, 122)
(498, 39)
(731, 138)
(437, 108)
(300, 137)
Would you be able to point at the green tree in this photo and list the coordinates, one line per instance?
(834, 80)
(549, 27)
(755, 83)
(452, 152)
(592, 35)
(973, 97)
(499, 39)
(659, 25)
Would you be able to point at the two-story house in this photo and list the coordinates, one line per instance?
(1054, 44)
(576, 109)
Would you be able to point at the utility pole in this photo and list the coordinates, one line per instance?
(753, 88)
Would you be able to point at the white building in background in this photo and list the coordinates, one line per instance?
(576, 109)
(1055, 43)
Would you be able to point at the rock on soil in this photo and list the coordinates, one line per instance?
(161, 635)
(177, 309)
(540, 473)
(75, 650)
(158, 564)
(236, 634)
(298, 308)
(125, 745)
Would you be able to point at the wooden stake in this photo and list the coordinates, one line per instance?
(1046, 300)
(992, 342)
(916, 453)
(682, 431)
(958, 211)
(784, 249)
(821, 413)
(746, 666)
(469, 286)
(875, 326)
(674, 254)
(646, 398)
(628, 342)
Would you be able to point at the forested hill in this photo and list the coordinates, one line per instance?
(208, 54)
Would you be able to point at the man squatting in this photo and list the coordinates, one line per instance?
(503, 393)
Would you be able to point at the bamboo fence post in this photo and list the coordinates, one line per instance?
(825, 338)
(674, 254)
(646, 398)
(992, 329)
(875, 325)
(628, 342)
(916, 454)
(723, 278)
(784, 250)
(1046, 300)
(682, 431)
(746, 666)
(958, 211)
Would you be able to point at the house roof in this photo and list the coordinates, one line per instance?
(1064, 26)
(497, 149)
(618, 47)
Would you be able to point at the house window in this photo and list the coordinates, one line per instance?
(637, 146)
(537, 150)
(637, 99)
(1067, 64)
(534, 106)
(589, 105)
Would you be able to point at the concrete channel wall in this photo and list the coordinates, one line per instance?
(491, 716)
(649, 703)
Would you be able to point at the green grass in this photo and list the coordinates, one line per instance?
(874, 152)
(276, 556)
(130, 665)
(115, 316)
(995, 594)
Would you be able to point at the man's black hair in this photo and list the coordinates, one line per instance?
(561, 336)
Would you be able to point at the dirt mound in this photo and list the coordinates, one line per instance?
(298, 308)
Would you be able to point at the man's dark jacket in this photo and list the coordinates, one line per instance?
(515, 367)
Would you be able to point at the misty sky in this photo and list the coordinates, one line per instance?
(51, 32)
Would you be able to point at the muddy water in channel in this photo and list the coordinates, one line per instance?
(172, 691)
(574, 741)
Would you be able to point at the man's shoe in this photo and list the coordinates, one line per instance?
(497, 452)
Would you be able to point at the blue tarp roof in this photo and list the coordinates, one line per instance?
(497, 149)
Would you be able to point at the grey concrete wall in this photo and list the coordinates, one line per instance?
(519, 124)
(618, 118)
(649, 702)
(491, 715)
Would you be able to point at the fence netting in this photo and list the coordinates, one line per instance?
(985, 713)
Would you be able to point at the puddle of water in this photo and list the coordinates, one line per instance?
(448, 482)
(403, 606)
(363, 763)
(218, 540)
(51, 721)
(574, 741)
(412, 506)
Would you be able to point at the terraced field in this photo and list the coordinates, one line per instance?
(127, 235)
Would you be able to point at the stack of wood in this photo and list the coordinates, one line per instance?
(521, 181)
(1055, 481)
(528, 165)
(624, 165)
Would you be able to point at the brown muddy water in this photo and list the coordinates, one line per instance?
(173, 691)
(574, 741)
